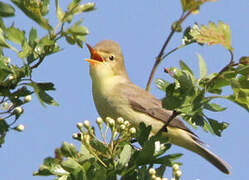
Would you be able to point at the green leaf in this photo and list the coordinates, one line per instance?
(59, 12)
(185, 67)
(6, 10)
(87, 7)
(167, 160)
(46, 41)
(161, 84)
(85, 154)
(185, 78)
(76, 33)
(21, 92)
(15, 35)
(187, 37)
(44, 7)
(98, 146)
(244, 60)
(4, 69)
(70, 165)
(33, 9)
(125, 156)
(190, 4)
(214, 107)
(3, 42)
(243, 69)
(217, 127)
(46, 86)
(160, 171)
(69, 150)
(240, 92)
(64, 177)
(33, 37)
(42, 95)
(213, 34)
(143, 133)
(174, 97)
(4, 127)
(26, 50)
(202, 66)
(50, 166)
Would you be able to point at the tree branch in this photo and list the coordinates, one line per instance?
(161, 56)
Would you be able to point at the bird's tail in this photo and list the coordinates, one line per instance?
(212, 158)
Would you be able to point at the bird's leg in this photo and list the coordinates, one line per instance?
(172, 117)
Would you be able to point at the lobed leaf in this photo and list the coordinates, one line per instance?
(213, 34)
(42, 95)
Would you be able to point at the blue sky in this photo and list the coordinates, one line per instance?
(140, 27)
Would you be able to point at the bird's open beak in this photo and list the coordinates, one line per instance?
(95, 57)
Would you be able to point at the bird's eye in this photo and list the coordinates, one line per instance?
(111, 58)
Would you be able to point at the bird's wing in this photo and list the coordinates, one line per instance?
(150, 105)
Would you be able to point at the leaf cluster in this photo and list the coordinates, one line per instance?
(97, 159)
(16, 81)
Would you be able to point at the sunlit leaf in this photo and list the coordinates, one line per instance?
(213, 34)
(161, 84)
(185, 67)
(202, 66)
(59, 12)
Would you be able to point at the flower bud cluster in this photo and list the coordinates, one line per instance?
(177, 173)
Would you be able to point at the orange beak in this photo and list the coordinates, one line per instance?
(95, 57)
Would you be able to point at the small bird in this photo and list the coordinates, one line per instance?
(116, 96)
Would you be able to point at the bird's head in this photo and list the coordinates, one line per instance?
(106, 60)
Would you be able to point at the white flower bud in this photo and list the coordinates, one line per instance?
(120, 120)
(75, 135)
(99, 120)
(5, 106)
(122, 127)
(178, 173)
(11, 77)
(18, 110)
(132, 130)
(79, 125)
(27, 98)
(164, 178)
(20, 127)
(126, 123)
(152, 171)
(153, 177)
(158, 178)
(87, 124)
(115, 134)
(176, 167)
(7, 60)
(110, 121)
(173, 178)
(38, 50)
(157, 146)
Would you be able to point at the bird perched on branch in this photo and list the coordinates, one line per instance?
(116, 96)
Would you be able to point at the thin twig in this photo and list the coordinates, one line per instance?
(230, 64)
(38, 63)
(159, 58)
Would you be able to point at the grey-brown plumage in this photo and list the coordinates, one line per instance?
(115, 95)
